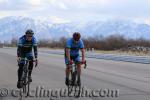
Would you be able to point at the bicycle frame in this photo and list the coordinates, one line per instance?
(25, 70)
(74, 77)
(25, 77)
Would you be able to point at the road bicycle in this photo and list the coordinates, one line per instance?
(75, 80)
(25, 82)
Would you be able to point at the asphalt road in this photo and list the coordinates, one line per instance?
(129, 81)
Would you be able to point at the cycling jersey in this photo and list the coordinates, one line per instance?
(74, 50)
(25, 47)
(74, 47)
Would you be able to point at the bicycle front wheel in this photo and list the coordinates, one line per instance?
(77, 86)
(70, 85)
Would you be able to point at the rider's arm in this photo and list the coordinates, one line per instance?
(68, 53)
(35, 51)
(19, 48)
(82, 50)
(19, 51)
(83, 54)
(35, 48)
(67, 49)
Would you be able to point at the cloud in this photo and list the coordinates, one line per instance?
(77, 9)
(3, 1)
(56, 19)
(35, 2)
(62, 6)
(142, 20)
(147, 21)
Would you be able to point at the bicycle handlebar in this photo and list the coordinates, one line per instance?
(85, 64)
(30, 60)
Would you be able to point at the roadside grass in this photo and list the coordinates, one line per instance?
(119, 52)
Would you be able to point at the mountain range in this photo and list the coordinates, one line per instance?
(14, 27)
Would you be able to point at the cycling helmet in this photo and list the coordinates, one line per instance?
(30, 32)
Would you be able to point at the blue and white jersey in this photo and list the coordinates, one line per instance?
(74, 47)
(25, 46)
(24, 43)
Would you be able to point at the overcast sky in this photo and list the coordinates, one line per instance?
(77, 10)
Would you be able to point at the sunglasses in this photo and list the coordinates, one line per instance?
(29, 35)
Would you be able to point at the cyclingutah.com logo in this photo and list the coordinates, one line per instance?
(41, 92)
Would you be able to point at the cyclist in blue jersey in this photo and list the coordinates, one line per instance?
(24, 50)
(73, 45)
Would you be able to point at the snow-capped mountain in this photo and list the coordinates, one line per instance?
(11, 27)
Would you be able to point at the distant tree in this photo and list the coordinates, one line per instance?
(62, 41)
(14, 41)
